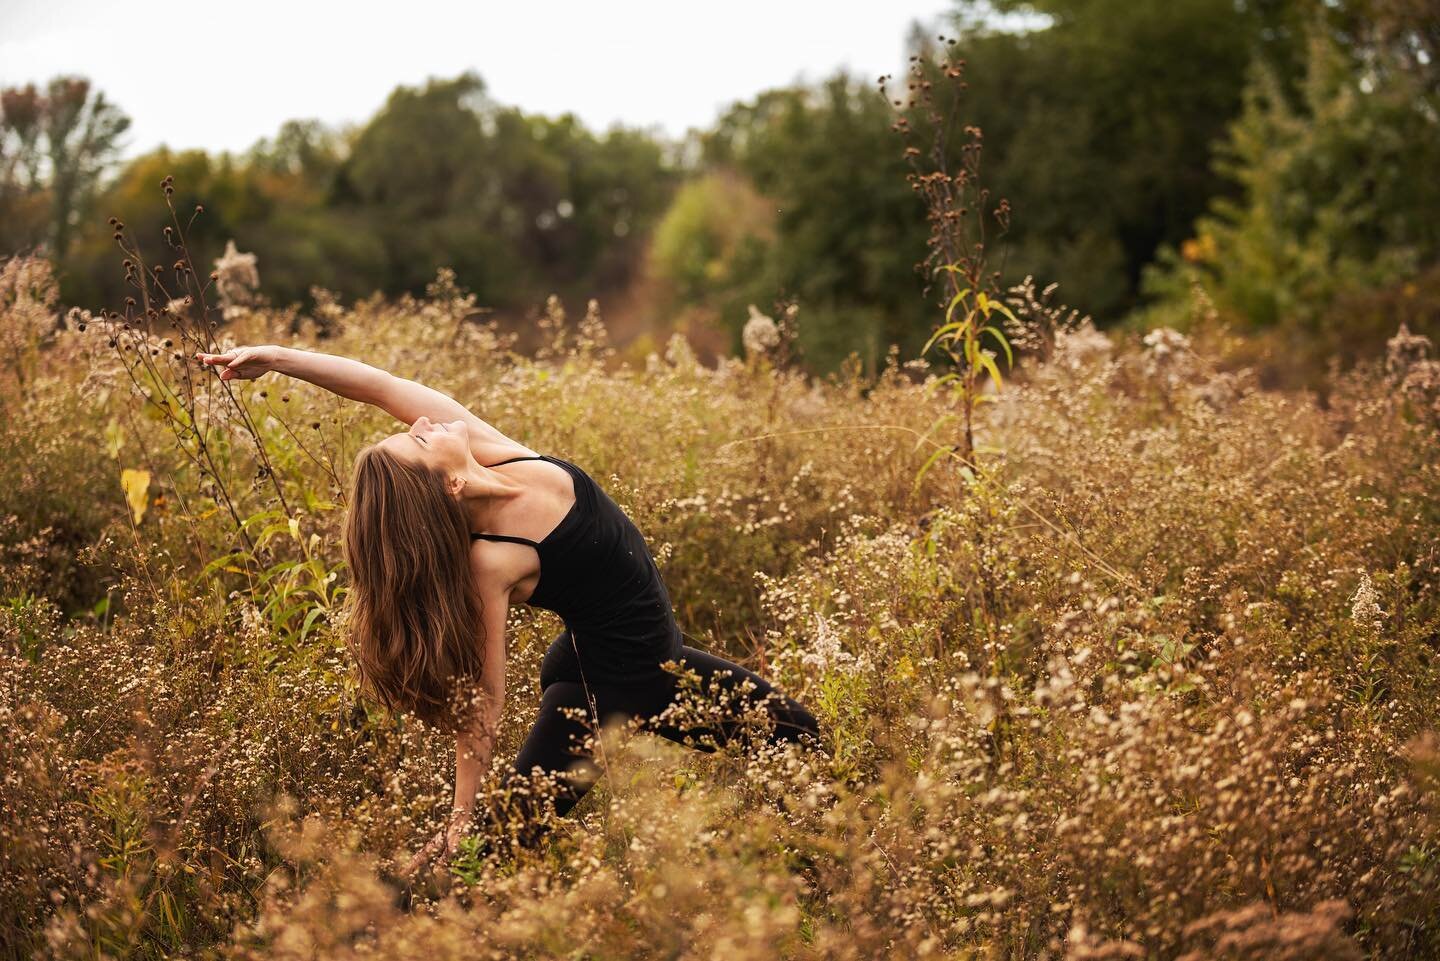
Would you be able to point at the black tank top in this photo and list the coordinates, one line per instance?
(598, 574)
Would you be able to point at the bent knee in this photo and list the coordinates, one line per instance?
(793, 722)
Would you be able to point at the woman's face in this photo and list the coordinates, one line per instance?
(444, 447)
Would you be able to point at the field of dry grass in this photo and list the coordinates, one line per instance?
(1158, 680)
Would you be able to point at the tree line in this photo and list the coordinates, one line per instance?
(1279, 152)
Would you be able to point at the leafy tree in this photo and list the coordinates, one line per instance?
(1099, 127)
(421, 175)
(1338, 197)
(580, 207)
(54, 148)
(1099, 120)
(848, 229)
(519, 205)
(713, 248)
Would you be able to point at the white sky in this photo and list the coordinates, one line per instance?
(198, 73)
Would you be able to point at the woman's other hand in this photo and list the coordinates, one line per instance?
(247, 363)
(445, 843)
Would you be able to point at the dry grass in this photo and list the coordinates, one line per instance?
(1157, 686)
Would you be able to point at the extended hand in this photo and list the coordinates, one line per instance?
(246, 363)
(442, 845)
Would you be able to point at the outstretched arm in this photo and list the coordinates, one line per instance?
(406, 400)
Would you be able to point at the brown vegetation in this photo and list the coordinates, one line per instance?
(1154, 683)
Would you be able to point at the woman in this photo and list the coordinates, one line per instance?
(450, 523)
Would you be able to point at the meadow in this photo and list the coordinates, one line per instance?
(1153, 674)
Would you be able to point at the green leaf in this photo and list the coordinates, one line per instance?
(225, 562)
(270, 530)
(939, 423)
(940, 332)
(954, 302)
(988, 362)
(1003, 309)
(1009, 357)
(925, 467)
(931, 387)
(315, 613)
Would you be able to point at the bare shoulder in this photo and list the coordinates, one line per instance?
(498, 566)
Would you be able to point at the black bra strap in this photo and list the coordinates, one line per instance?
(514, 459)
(506, 537)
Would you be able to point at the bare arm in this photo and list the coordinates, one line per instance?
(405, 400)
(475, 746)
(354, 379)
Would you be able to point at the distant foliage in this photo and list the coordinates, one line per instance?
(847, 232)
(714, 252)
(55, 146)
(520, 206)
(1334, 232)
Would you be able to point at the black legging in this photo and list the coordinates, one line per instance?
(556, 741)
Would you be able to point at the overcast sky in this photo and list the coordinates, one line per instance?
(198, 73)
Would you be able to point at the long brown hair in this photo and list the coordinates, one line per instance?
(416, 621)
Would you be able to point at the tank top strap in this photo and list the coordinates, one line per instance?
(514, 459)
(508, 538)
(505, 537)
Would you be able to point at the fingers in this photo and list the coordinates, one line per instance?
(416, 863)
(412, 866)
(423, 856)
(231, 363)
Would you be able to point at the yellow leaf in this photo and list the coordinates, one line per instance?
(137, 490)
(114, 439)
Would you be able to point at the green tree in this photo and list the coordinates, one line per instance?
(54, 149)
(421, 175)
(1100, 119)
(712, 250)
(1338, 196)
(848, 229)
(519, 205)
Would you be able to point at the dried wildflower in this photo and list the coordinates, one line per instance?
(1169, 359)
(679, 353)
(78, 319)
(1026, 753)
(826, 653)
(1040, 323)
(1365, 607)
(28, 293)
(237, 277)
(1404, 351)
(760, 334)
(1080, 345)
